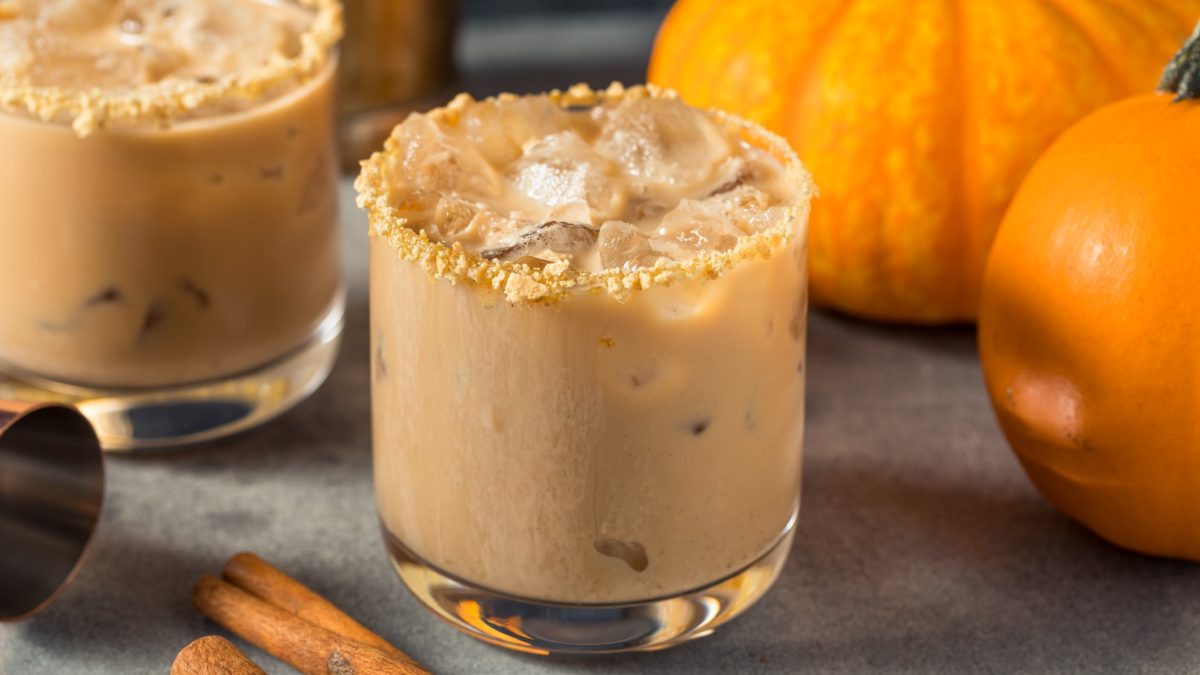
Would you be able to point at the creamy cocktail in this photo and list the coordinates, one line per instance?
(168, 179)
(588, 321)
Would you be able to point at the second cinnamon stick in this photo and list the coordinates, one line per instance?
(307, 647)
(213, 655)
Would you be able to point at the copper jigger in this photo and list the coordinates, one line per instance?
(51, 490)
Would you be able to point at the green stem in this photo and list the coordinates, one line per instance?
(1182, 76)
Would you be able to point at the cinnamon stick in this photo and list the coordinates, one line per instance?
(307, 647)
(213, 655)
(258, 577)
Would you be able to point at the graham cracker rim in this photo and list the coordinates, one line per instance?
(519, 282)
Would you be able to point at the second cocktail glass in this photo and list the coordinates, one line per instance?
(169, 256)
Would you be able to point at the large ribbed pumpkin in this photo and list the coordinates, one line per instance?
(918, 118)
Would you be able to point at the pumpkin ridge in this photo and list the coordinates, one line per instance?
(963, 211)
(1081, 27)
(736, 19)
(1170, 9)
(690, 78)
(1173, 8)
(672, 63)
(800, 79)
(1134, 18)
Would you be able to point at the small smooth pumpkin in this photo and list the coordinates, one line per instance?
(1090, 325)
(917, 118)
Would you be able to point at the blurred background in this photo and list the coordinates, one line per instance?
(556, 41)
(404, 55)
(480, 8)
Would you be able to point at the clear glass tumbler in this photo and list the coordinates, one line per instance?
(614, 466)
(169, 259)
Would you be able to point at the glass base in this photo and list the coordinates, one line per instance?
(541, 627)
(139, 420)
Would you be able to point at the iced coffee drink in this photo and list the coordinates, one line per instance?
(588, 323)
(168, 237)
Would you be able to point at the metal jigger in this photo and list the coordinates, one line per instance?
(51, 490)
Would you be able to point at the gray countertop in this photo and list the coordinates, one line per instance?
(921, 546)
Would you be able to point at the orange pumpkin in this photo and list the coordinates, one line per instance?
(918, 118)
(1090, 324)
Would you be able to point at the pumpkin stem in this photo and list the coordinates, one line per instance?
(1182, 76)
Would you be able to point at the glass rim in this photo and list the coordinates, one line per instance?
(94, 109)
(520, 282)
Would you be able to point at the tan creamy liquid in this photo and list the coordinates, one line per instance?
(594, 448)
(141, 256)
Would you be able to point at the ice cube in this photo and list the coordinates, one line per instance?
(663, 140)
(487, 225)
(559, 237)
(159, 62)
(562, 169)
(78, 14)
(16, 56)
(773, 216)
(731, 173)
(714, 235)
(234, 36)
(452, 218)
(738, 205)
(432, 159)
(572, 212)
(624, 246)
(501, 128)
(699, 226)
(414, 204)
(114, 69)
(649, 210)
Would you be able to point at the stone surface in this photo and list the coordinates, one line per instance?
(921, 545)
